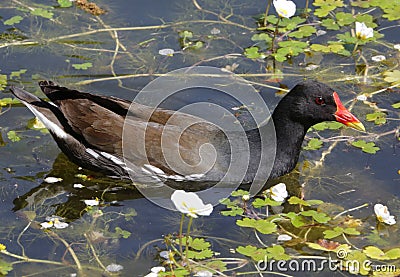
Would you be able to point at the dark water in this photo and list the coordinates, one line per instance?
(348, 177)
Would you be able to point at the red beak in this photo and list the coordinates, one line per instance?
(344, 116)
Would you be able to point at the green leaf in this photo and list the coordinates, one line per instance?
(7, 101)
(375, 253)
(351, 231)
(3, 81)
(304, 31)
(396, 105)
(393, 253)
(277, 252)
(123, 233)
(64, 3)
(199, 244)
(330, 234)
(366, 147)
(344, 19)
(5, 267)
(331, 125)
(261, 225)
(82, 66)
(186, 34)
(378, 117)
(252, 53)
(239, 193)
(330, 24)
(201, 255)
(233, 212)
(255, 253)
(17, 73)
(13, 136)
(392, 77)
(295, 219)
(317, 216)
(13, 20)
(42, 12)
(261, 37)
(258, 203)
(294, 200)
(313, 144)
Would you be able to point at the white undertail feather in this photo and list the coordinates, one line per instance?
(54, 128)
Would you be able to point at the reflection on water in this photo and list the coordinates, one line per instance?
(126, 228)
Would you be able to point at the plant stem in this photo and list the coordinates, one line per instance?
(266, 12)
(187, 240)
(180, 234)
(275, 33)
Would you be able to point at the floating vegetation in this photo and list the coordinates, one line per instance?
(81, 223)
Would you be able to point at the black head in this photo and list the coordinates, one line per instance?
(312, 102)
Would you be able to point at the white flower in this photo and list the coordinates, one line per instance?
(93, 202)
(284, 237)
(362, 97)
(52, 180)
(155, 270)
(190, 203)
(204, 273)
(285, 8)
(78, 186)
(246, 197)
(46, 225)
(378, 58)
(396, 46)
(114, 267)
(166, 52)
(383, 214)
(278, 192)
(363, 32)
(59, 224)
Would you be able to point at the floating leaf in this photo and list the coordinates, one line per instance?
(258, 203)
(82, 66)
(344, 19)
(327, 125)
(392, 77)
(304, 31)
(317, 216)
(201, 255)
(294, 200)
(17, 73)
(233, 212)
(378, 117)
(3, 81)
(330, 24)
(277, 252)
(375, 253)
(5, 267)
(255, 253)
(252, 53)
(13, 20)
(261, 37)
(13, 136)
(263, 226)
(313, 144)
(396, 105)
(8, 101)
(239, 193)
(123, 233)
(65, 3)
(295, 219)
(42, 12)
(366, 147)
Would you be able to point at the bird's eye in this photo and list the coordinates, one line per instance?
(320, 101)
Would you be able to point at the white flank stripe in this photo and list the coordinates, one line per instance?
(92, 152)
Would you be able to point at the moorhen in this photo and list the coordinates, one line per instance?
(88, 128)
